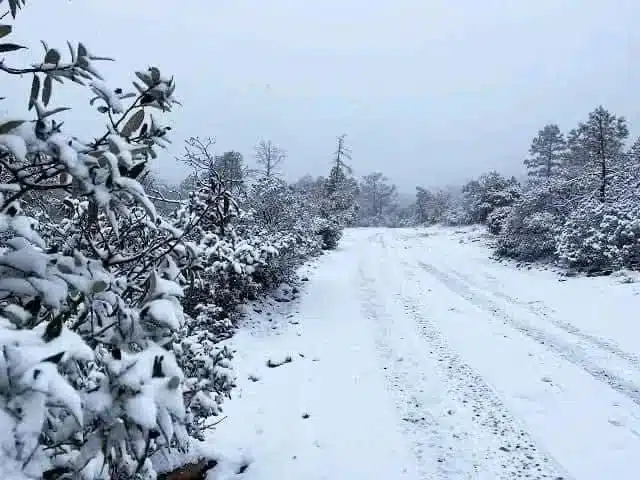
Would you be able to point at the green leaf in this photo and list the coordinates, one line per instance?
(5, 30)
(133, 124)
(10, 47)
(46, 90)
(146, 99)
(52, 57)
(53, 330)
(13, 5)
(173, 383)
(98, 286)
(35, 91)
(155, 75)
(8, 126)
(82, 50)
(72, 51)
(136, 170)
(54, 358)
(54, 111)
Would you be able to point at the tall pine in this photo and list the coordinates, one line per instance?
(547, 152)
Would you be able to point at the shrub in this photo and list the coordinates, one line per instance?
(601, 236)
(497, 218)
(331, 233)
(90, 282)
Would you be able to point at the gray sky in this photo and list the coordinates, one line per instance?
(429, 91)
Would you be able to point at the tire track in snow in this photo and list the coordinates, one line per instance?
(607, 345)
(515, 450)
(433, 443)
(556, 345)
(476, 437)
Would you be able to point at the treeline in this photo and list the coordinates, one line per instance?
(579, 206)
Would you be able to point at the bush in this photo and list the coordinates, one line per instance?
(528, 237)
(330, 233)
(89, 304)
(497, 218)
(528, 232)
(456, 217)
(600, 237)
(489, 192)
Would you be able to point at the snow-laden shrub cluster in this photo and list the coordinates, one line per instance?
(330, 232)
(236, 269)
(233, 269)
(528, 233)
(89, 385)
(528, 237)
(599, 237)
(234, 251)
(486, 194)
(497, 219)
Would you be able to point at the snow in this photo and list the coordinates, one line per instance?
(15, 145)
(415, 355)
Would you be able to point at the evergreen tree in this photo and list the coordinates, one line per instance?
(431, 207)
(487, 193)
(377, 195)
(547, 153)
(340, 188)
(597, 149)
(230, 168)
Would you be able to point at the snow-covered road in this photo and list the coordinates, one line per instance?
(415, 356)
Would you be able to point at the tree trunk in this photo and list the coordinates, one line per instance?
(603, 164)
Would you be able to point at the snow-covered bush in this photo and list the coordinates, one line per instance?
(456, 216)
(497, 218)
(209, 377)
(529, 231)
(272, 205)
(330, 232)
(528, 237)
(89, 305)
(601, 236)
(490, 191)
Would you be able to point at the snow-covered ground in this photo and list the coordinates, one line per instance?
(410, 354)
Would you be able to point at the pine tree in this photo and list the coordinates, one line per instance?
(340, 188)
(597, 149)
(378, 194)
(230, 168)
(548, 150)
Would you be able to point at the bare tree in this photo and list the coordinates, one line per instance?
(270, 156)
(198, 156)
(206, 179)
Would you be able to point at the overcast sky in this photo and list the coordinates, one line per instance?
(429, 91)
